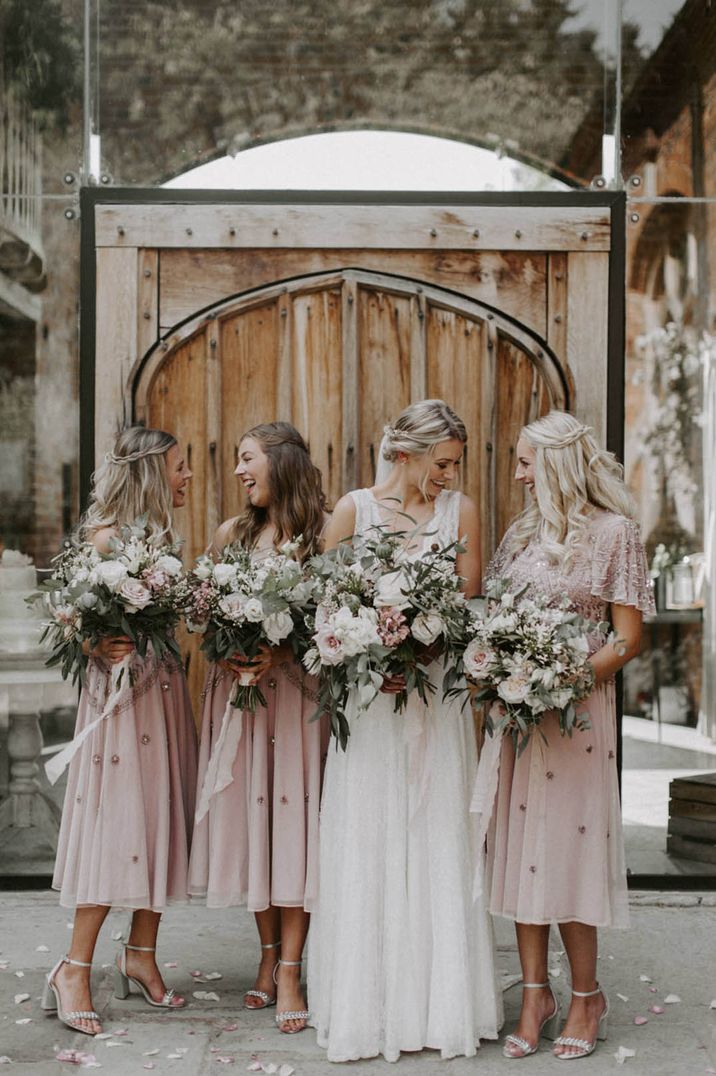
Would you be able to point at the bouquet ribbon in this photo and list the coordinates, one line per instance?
(221, 763)
(119, 682)
(483, 802)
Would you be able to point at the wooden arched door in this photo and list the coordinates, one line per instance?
(339, 355)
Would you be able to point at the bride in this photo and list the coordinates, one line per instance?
(400, 958)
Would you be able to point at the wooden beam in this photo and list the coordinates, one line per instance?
(14, 300)
(398, 227)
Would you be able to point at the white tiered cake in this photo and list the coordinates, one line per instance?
(20, 624)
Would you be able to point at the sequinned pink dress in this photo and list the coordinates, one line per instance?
(258, 844)
(555, 845)
(129, 804)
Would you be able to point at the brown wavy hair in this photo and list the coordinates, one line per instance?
(297, 500)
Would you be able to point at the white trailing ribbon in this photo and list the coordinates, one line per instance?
(483, 802)
(219, 772)
(119, 685)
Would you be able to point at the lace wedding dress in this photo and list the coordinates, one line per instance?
(400, 956)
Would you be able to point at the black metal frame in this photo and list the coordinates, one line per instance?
(614, 201)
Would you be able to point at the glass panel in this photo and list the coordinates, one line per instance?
(175, 84)
(671, 286)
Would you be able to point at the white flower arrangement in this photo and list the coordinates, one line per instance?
(526, 660)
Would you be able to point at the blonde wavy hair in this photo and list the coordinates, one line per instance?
(572, 476)
(132, 480)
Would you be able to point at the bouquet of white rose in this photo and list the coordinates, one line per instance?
(243, 602)
(135, 590)
(381, 613)
(525, 660)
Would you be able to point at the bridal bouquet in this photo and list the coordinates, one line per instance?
(380, 613)
(525, 660)
(135, 590)
(243, 602)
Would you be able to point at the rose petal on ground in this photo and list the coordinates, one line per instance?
(42, 949)
(120, 1031)
(148, 1065)
(255, 1066)
(4, 965)
(639, 1020)
(209, 975)
(170, 964)
(270, 1069)
(182, 1049)
(20, 974)
(150, 1053)
(623, 1053)
(5, 1060)
(286, 1070)
(91, 1064)
(713, 1004)
(117, 1044)
(73, 1056)
(195, 973)
(623, 997)
(25, 1020)
(206, 995)
(19, 998)
(233, 1027)
(672, 999)
(656, 1009)
(175, 1057)
(225, 1060)
(103, 1035)
(653, 990)
(645, 979)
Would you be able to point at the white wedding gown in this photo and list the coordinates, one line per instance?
(399, 955)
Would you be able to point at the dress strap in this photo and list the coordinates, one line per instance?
(447, 516)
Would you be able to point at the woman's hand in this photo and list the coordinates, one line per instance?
(239, 665)
(393, 685)
(113, 648)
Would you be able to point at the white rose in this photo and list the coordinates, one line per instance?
(111, 573)
(232, 606)
(329, 647)
(390, 588)
(253, 610)
(514, 689)
(503, 622)
(204, 569)
(134, 595)
(477, 659)
(427, 627)
(224, 574)
(277, 626)
(171, 565)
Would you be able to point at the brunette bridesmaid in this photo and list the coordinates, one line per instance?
(127, 817)
(258, 843)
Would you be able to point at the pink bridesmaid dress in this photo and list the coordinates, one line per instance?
(128, 812)
(555, 844)
(258, 843)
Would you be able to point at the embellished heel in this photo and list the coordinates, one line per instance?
(547, 1028)
(292, 1014)
(123, 982)
(52, 1002)
(266, 999)
(583, 1046)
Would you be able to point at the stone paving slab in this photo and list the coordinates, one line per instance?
(672, 941)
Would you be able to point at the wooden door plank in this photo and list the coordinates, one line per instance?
(213, 497)
(418, 347)
(147, 300)
(349, 384)
(557, 306)
(397, 227)
(587, 337)
(116, 343)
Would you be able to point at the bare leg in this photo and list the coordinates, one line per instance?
(294, 927)
(537, 1005)
(269, 928)
(73, 983)
(143, 966)
(580, 943)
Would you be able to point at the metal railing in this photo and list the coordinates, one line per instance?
(20, 170)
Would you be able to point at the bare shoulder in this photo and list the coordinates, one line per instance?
(469, 514)
(100, 539)
(342, 523)
(223, 534)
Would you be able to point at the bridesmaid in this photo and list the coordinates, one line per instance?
(555, 846)
(126, 823)
(258, 844)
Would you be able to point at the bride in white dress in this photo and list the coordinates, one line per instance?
(400, 957)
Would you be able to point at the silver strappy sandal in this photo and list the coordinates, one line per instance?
(293, 1014)
(123, 982)
(51, 1001)
(583, 1046)
(548, 1027)
(267, 1000)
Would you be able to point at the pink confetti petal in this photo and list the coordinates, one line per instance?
(233, 1027)
(653, 990)
(148, 1065)
(170, 964)
(657, 1009)
(225, 1060)
(640, 1020)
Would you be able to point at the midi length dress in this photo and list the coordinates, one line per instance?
(258, 843)
(555, 843)
(400, 957)
(129, 804)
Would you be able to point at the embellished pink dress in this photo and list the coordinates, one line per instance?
(258, 843)
(129, 804)
(555, 846)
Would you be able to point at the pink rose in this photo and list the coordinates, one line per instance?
(155, 578)
(477, 660)
(329, 647)
(134, 595)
